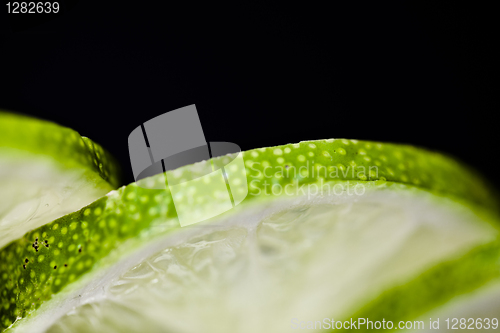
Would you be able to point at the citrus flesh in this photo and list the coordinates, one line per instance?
(268, 266)
(46, 171)
(336, 241)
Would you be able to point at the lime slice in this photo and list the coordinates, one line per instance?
(46, 171)
(329, 229)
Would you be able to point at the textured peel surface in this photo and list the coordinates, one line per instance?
(90, 240)
(61, 144)
(47, 171)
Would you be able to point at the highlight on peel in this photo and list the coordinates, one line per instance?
(329, 229)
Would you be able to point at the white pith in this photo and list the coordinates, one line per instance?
(35, 190)
(268, 262)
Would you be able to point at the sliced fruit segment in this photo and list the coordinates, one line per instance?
(294, 259)
(327, 227)
(46, 171)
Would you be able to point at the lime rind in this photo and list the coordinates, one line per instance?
(62, 144)
(80, 241)
(436, 286)
(343, 159)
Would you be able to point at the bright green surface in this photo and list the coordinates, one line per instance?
(62, 144)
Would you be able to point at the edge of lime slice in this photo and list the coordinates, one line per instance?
(62, 144)
(133, 213)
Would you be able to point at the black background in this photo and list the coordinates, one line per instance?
(263, 74)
